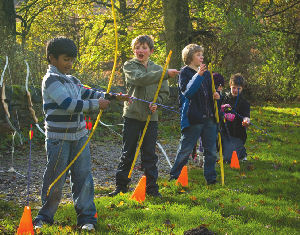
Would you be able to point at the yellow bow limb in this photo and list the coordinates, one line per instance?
(218, 121)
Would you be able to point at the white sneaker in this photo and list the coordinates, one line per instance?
(38, 225)
(88, 227)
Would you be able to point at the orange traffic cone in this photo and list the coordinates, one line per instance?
(139, 193)
(26, 226)
(234, 161)
(183, 177)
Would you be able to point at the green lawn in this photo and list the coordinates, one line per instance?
(260, 198)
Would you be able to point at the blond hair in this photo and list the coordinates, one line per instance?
(189, 51)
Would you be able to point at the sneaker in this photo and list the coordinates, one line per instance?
(88, 227)
(244, 159)
(38, 224)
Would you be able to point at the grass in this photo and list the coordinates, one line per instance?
(260, 198)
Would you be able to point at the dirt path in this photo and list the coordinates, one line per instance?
(105, 158)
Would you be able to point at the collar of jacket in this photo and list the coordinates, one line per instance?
(150, 62)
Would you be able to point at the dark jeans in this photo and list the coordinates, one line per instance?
(189, 137)
(231, 144)
(132, 131)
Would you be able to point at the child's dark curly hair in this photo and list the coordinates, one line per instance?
(60, 46)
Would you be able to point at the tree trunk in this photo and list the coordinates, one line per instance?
(7, 25)
(178, 28)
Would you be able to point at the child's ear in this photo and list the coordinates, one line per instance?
(51, 57)
(152, 50)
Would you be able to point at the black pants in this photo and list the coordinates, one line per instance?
(132, 131)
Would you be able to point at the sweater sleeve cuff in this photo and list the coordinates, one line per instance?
(100, 95)
(93, 104)
(166, 76)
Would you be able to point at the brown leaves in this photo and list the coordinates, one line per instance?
(168, 224)
(243, 175)
(111, 227)
(250, 167)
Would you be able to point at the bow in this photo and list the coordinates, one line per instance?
(4, 104)
(218, 124)
(101, 111)
(30, 105)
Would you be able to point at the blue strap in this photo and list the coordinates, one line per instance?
(237, 98)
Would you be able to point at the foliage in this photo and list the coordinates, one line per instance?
(89, 24)
(260, 198)
(258, 38)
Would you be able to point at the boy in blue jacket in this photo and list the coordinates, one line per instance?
(197, 113)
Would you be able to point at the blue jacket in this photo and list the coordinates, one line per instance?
(195, 97)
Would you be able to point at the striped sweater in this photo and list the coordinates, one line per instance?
(64, 101)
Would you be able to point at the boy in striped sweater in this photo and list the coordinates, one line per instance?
(64, 101)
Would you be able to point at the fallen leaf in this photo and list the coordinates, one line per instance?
(204, 225)
(262, 202)
(121, 203)
(250, 167)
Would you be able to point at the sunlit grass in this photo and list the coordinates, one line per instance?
(260, 198)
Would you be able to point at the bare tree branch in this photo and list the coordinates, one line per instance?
(26, 7)
(279, 12)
